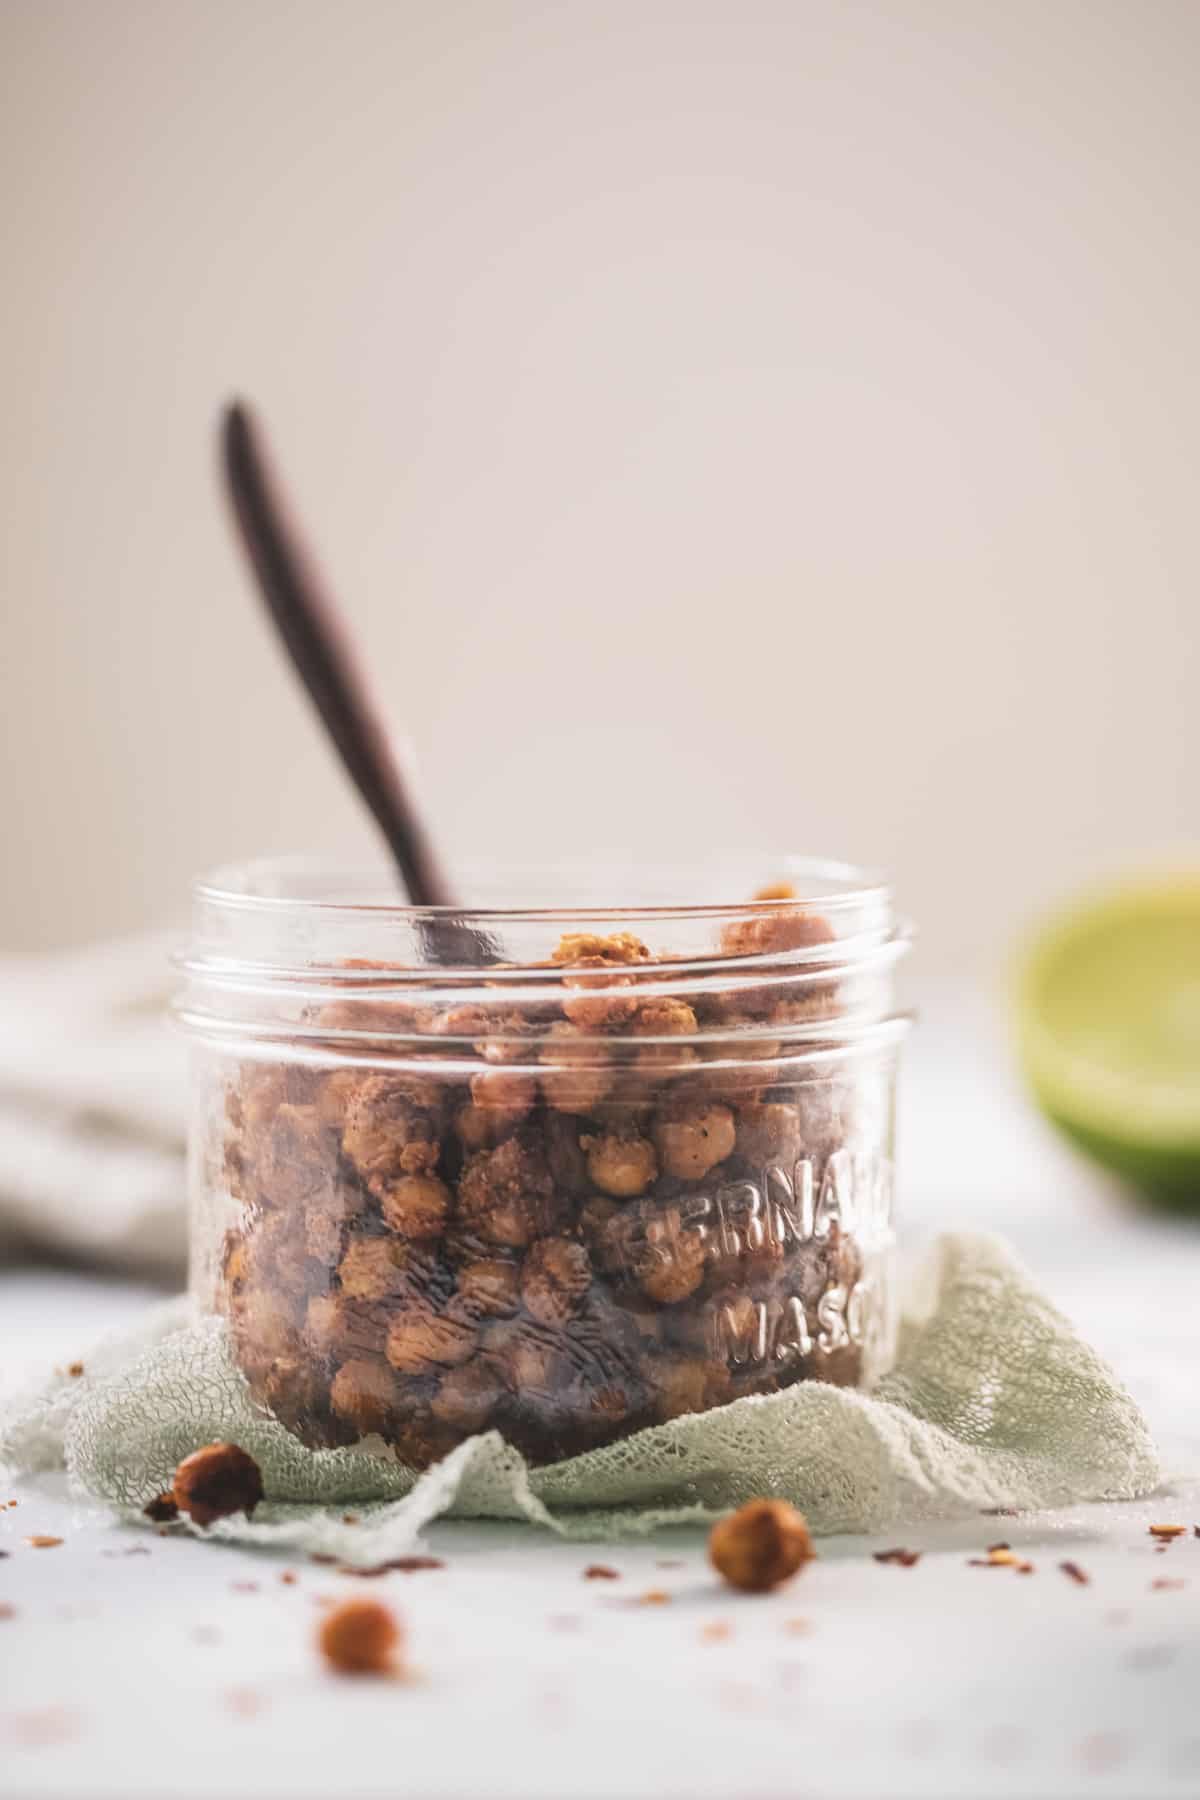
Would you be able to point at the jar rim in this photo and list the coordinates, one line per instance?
(289, 884)
(280, 943)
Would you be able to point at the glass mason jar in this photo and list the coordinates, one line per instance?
(564, 1171)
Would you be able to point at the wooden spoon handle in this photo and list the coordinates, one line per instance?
(310, 623)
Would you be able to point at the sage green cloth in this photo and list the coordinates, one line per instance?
(994, 1401)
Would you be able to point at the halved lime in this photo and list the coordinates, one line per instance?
(1108, 1013)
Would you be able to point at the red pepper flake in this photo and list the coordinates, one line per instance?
(41, 1727)
(7, 1611)
(654, 1597)
(1167, 1531)
(1102, 1751)
(41, 1540)
(13, 1503)
(1001, 1557)
(601, 1572)
(75, 1370)
(904, 1559)
(1164, 1586)
(407, 1565)
(244, 1703)
(1073, 1570)
(288, 1578)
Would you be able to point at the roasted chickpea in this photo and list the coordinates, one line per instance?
(235, 1263)
(265, 1329)
(564, 1153)
(824, 1123)
(533, 1361)
(360, 1637)
(486, 1119)
(501, 1099)
(760, 1545)
(474, 1128)
(333, 1095)
(845, 1261)
(576, 1074)
(422, 1342)
(680, 1385)
(416, 1206)
(598, 1001)
(344, 1329)
(296, 1391)
(621, 1163)
(468, 1396)
(277, 1269)
(385, 1136)
(506, 1195)
(693, 1136)
(605, 1231)
(366, 1394)
(777, 931)
(769, 1132)
(496, 1037)
(327, 1218)
(373, 1268)
(488, 1288)
(597, 998)
(296, 1163)
(577, 947)
(216, 1481)
(664, 1018)
(556, 1276)
(667, 1258)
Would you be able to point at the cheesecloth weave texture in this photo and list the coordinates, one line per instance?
(995, 1401)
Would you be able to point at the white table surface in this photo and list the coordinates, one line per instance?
(136, 1665)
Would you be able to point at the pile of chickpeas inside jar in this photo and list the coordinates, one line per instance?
(564, 1202)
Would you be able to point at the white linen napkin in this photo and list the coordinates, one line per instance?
(93, 1106)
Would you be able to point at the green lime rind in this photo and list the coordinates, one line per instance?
(1108, 1015)
(1171, 1179)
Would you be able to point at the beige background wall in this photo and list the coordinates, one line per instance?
(729, 421)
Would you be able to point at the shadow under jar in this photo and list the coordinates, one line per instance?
(624, 1163)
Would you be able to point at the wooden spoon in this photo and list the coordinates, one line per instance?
(314, 633)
